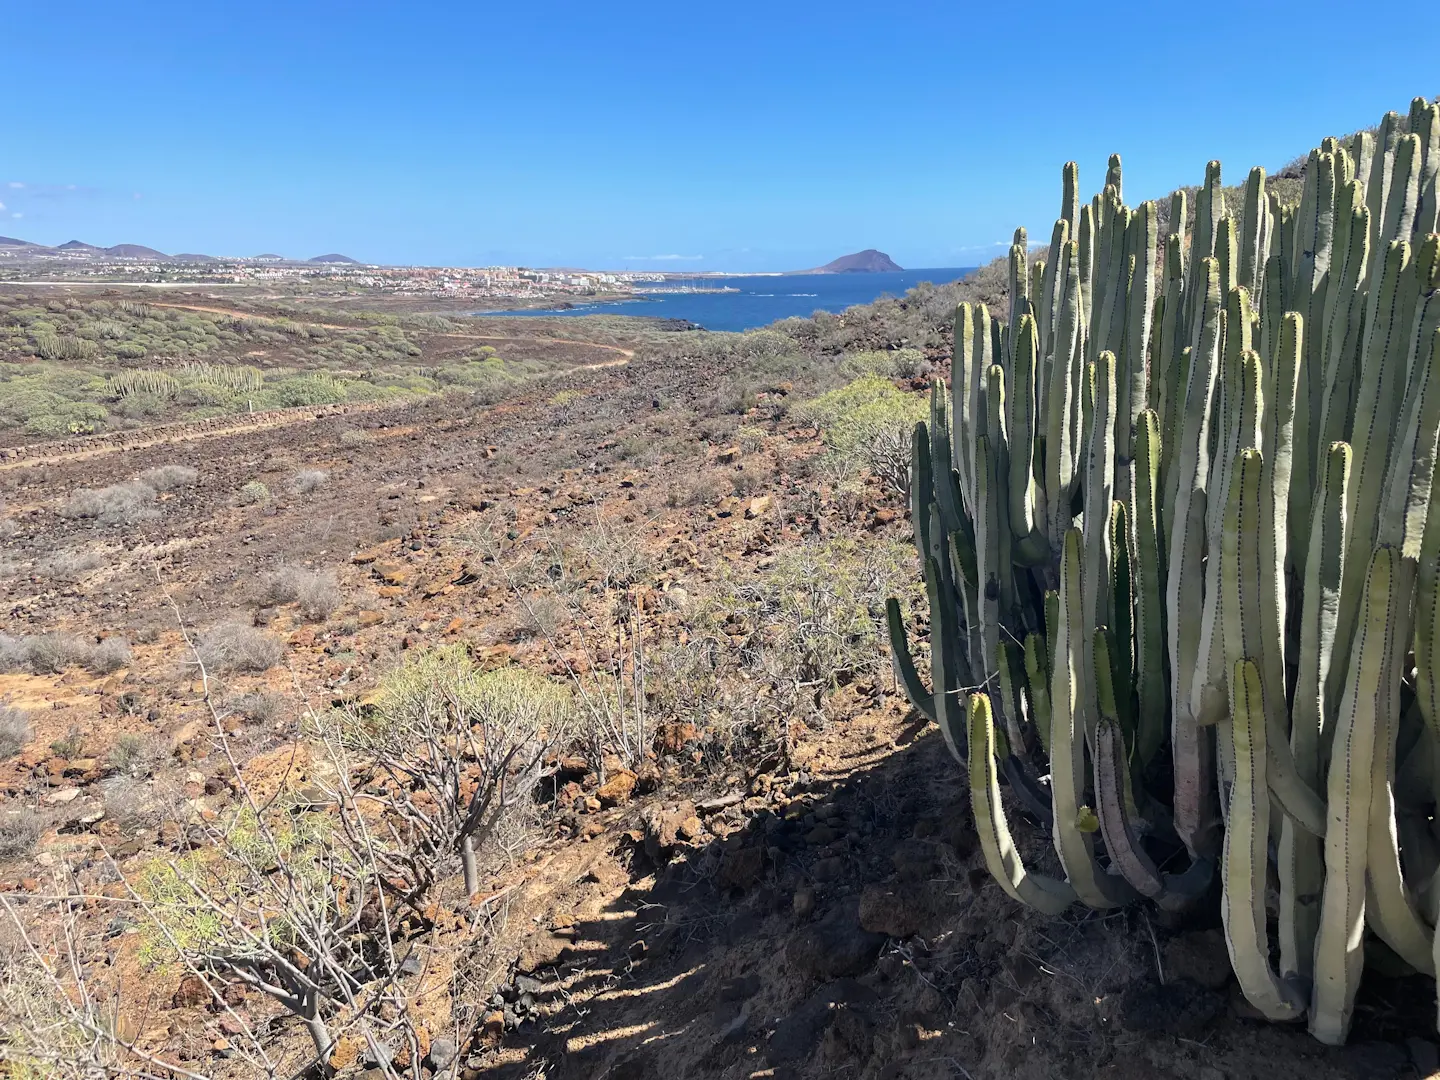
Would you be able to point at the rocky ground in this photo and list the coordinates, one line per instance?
(800, 898)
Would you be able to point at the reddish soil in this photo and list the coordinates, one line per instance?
(820, 910)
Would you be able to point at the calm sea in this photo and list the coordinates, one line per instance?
(761, 300)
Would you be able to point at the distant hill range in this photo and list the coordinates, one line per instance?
(79, 251)
(868, 261)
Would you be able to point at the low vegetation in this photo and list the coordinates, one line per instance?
(59, 651)
(314, 592)
(75, 366)
(233, 646)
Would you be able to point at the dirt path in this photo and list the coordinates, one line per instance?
(234, 313)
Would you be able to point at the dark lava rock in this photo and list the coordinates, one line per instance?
(835, 946)
(798, 1034)
(1181, 1007)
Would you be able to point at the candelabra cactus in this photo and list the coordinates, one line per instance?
(1175, 522)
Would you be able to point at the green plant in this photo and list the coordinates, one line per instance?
(866, 424)
(253, 493)
(72, 745)
(1176, 530)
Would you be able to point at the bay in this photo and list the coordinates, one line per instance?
(759, 300)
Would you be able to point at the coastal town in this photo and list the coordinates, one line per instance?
(25, 263)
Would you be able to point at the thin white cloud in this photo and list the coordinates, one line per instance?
(17, 215)
(663, 258)
(16, 184)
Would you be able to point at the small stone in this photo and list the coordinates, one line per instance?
(617, 789)
(62, 796)
(493, 1028)
(192, 991)
(443, 1051)
(828, 869)
(803, 903)
(1201, 956)
(740, 988)
(821, 835)
(741, 869)
(834, 947)
(889, 913)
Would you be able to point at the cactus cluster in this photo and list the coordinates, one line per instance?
(125, 384)
(1174, 515)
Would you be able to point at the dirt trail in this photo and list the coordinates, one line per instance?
(235, 313)
(83, 447)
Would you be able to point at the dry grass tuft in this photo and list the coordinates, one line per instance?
(307, 480)
(232, 646)
(169, 477)
(313, 591)
(15, 730)
(119, 504)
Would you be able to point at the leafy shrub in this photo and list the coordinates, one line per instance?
(232, 646)
(313, 591)
(71, 745)
(253, 493)
(169, 477)
(866, 425)
(309, 390)
(14, 730)
(308, 480)
(887, 363)
(351, 438)
(119, 504)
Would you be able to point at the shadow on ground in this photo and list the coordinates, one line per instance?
(849, 928)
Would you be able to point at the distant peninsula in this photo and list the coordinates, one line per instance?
(868, 261)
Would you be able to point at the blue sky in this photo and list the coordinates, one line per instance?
(723, 136)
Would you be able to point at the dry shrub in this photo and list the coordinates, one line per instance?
(169, 477)
(20, 830)
(313, 591)
(615, 552)
(71, 565)
(702, 488)
(119, 504)
(14, 656)
(232, 646)
(133, 803)
(138, 756)
(14, 730)
(52, 653)
(111, 654)
(258, 708)
(541, 615)
(57, 651)
(307, 480)
(350, 438)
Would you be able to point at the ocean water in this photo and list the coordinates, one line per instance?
(761, 300)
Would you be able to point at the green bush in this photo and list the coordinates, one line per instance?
(866, 425)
